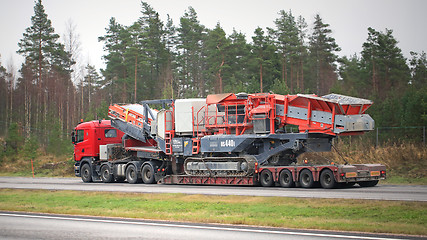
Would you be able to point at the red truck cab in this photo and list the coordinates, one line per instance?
(88, 136)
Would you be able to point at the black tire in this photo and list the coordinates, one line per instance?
(368, 183)
(106, 175)
(86, 173)
(266, 178)
(147, 174)
(327, 179)
(286, 179)
(132, 174)
(306, 179)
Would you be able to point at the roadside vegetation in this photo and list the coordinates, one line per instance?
(406, 162)
(337, 214)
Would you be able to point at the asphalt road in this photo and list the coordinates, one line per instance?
(380, 192)
(43, 226)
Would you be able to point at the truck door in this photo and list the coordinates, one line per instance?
(80, 144)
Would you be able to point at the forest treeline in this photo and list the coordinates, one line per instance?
(152, 59)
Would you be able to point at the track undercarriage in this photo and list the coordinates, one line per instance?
(220, 166)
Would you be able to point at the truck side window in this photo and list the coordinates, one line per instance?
(79, 136)
(110, 133)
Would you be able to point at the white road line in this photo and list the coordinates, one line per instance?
(196, 227)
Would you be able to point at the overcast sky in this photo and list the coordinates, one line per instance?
(348, 20)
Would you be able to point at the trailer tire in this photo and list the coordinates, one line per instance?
(147, 174)
(327, 179)
(368, 183)
(106, 175)
(86, 173)
(266, 178)
(132, 174)
(286, 179)
(306, 179)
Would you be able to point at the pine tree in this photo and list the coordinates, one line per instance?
(92, 82)
(190, 39)
(115, 72)
(259, 47)
(384, 61)
(418, 64)
(168, 76)
(287, 40)
(239, 55)
(322, 51)
(216, 47)
(4, 100)
(154, 53)
(301, 51)
(46, 58)
(353, 78)
(265, 62)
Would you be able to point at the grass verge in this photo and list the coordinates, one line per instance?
(328, 214)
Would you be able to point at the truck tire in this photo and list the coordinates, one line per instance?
(306, 179)
(368, 183)
(286, 179)
(147, 174)
(86, 173)
(327, 179)
(132, 174)
(106, 175)
(266, 178)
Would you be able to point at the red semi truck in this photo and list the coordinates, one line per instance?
(224, 139)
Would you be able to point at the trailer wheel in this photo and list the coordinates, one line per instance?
(106, 175)
(327, 179)
(306, 179)
(286, 179)
(266, 178)
(132, 174)
(368, 183)
(147, 173)
(85, 173)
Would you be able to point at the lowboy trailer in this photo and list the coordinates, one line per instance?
(225, 139)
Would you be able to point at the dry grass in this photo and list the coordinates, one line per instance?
(407, 162)
(46, 165)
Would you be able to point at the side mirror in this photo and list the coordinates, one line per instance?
(73, 138)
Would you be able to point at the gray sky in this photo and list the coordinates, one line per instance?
(348, 20)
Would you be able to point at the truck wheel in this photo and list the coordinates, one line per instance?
(147, 173)
(285, 179)
(327, 179)
(266, 178)
(368, 183)
(86, 173)
(306, 179)
(106, 175)
(132, 174)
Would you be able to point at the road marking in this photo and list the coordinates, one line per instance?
(197, 227)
